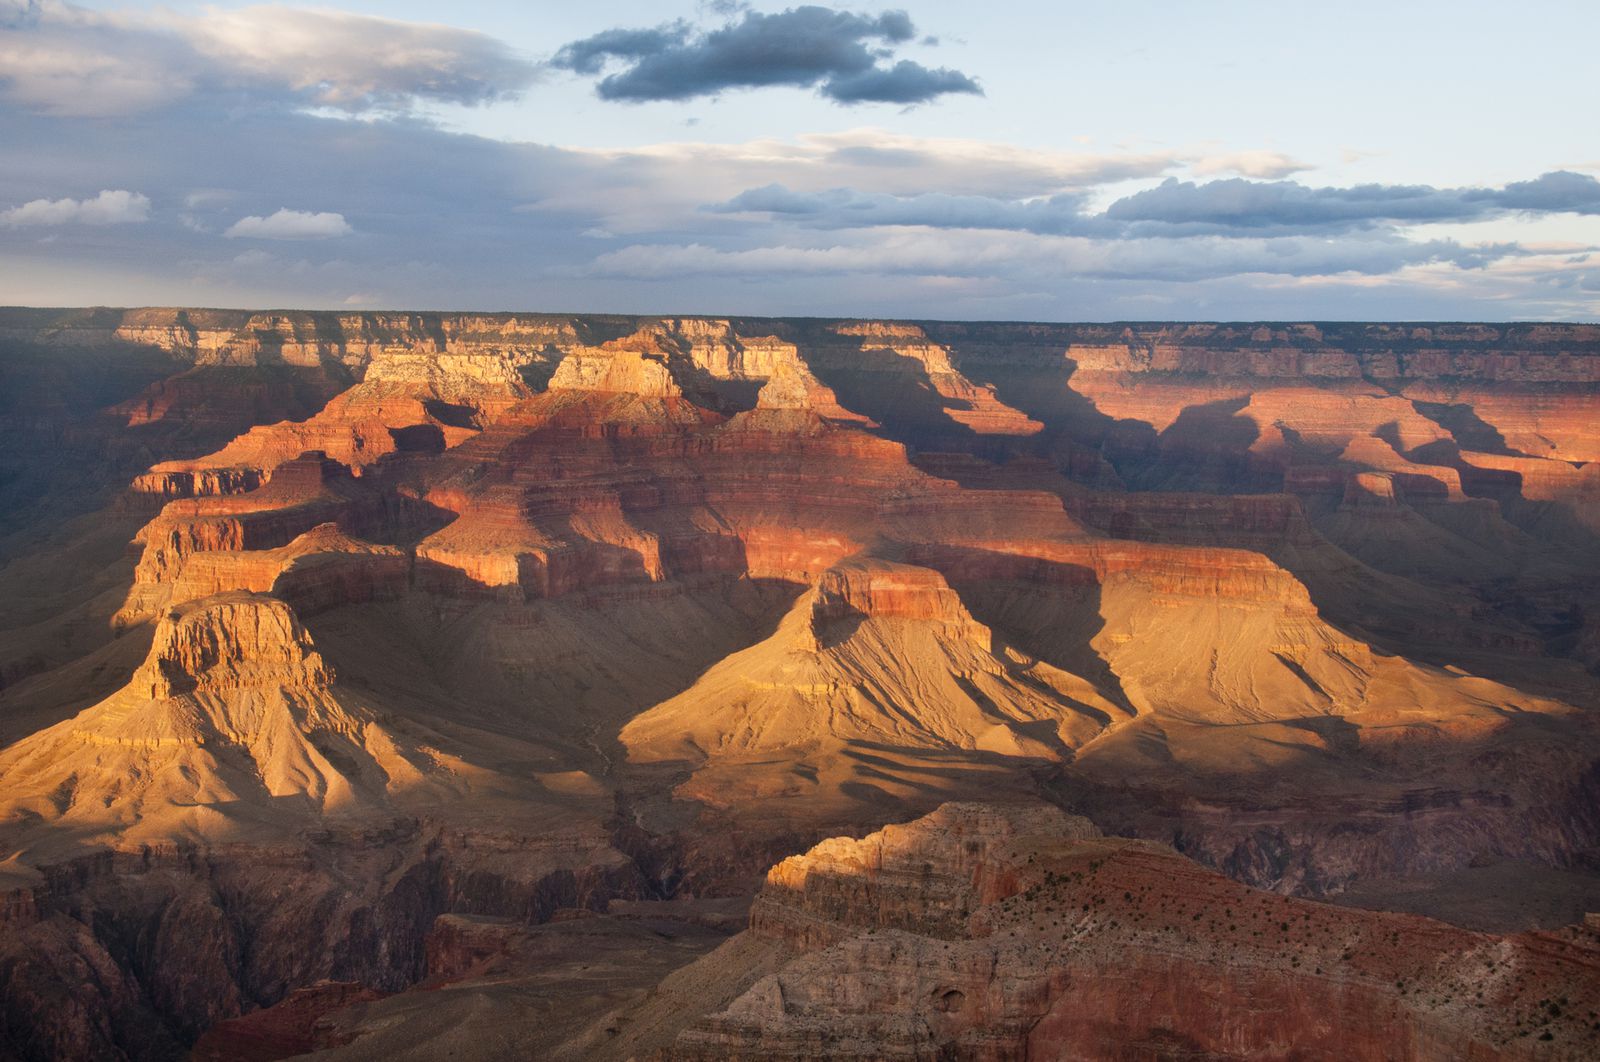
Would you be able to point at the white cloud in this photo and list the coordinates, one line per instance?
(352, 61)
(289, 224)
(1266, 165)
(60, 59)
(110, 207)
(1352, 155)
(203, 198)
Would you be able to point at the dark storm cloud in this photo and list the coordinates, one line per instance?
(589, 55)
(836, 52)
(1239, 204)
(905, 82)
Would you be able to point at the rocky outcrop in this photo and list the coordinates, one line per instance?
(880, 653)
(408, 402)
(618, 370)
(321, 569)
(137, 954)
(1012, 932)
(248, 540)
(233, 824)
(232, 714)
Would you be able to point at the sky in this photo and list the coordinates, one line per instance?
(1136, 160)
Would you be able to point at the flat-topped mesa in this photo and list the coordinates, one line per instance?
(1180, 634)
(886, 590)
(1220, 574)
(488, 383)
(1209, 573)
(620, 367)
(1015, 931)
(229, 642)
(717, 348)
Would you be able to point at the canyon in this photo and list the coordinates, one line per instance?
(392, 685)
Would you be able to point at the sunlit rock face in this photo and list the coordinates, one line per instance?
(1017, 931)
(337, 625)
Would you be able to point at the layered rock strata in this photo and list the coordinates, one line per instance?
(1018, 932)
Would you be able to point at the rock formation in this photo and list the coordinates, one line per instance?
(1018, 932)
(318, 631)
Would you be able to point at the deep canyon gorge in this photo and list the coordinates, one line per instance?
(389, 685)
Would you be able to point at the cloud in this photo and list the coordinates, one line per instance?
(1240, 204)
(108, 208)
(1237, 203)
(655, 187)
(589, 55)
(836, 52)
(289, 224)
(848, 208)
(358, 61)
(60, 59)
(1267, 165)
(1017, 257)
(1560, 192)
(905, 82)
(878, 223)
(1176, 208)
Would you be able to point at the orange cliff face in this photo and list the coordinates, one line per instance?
(662, 452)
(560, 605)
(407, 402)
